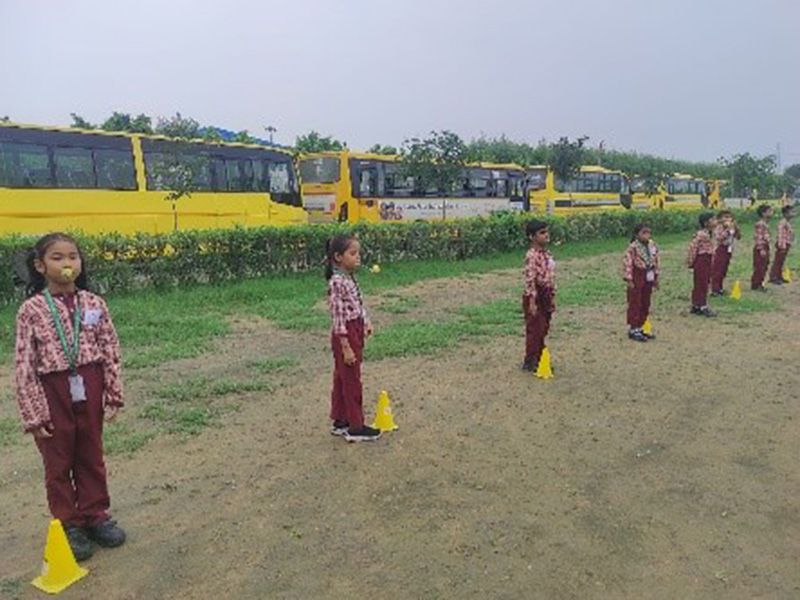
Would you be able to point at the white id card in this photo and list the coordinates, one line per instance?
(92, 316)
(76, 388)
(650, 275)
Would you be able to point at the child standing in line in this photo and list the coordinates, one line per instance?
(640, 272)
(67, 370)
(539, 298)
(350, 328)
(782, 246)
(701, 251)
(726, 231)
(761, 248)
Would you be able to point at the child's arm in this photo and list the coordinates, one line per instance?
(112, 364)
(530, 282)
(627, 266)
(692, 252)
(32, 402)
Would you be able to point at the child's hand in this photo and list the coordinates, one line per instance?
(629, 284)
(111, 412)
(656, 285)
(42, 433)
(369, 330)
(349, 356)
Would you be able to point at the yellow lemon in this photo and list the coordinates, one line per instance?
(67, 272)
(376, 269)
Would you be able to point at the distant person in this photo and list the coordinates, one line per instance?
(783, 244)
(68, 379)
(753, 197)
(539, 297)
(761, 248)
(350, 328)
(640, 272)
(725, 233)
(701, 251)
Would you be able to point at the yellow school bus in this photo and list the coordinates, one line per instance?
(684, 192)
(54, 178)
(357, 186)
(593, 189)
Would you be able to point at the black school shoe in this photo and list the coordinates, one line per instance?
(365, 434)
(527, 365)
(776, 281)
(339, 428)
(79, 542)
(107, 534)
(718, 294)
(705, 311)
(637, 335)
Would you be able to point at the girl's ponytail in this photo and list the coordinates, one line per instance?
(338, 244)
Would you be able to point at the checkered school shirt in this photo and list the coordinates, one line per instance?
(724, 236)
(345, 302)
(636, 257)
(761, 237)
(785, 234)
(39, 351)
(540, 271)
(701, 244)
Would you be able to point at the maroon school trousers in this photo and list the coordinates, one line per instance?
(639, 299)
(702, 273)
(776, 273)
(537, 325)
(74, 469)
(346, 394)
(719, 267)
(760, 264)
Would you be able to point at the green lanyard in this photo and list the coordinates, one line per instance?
(70, 353)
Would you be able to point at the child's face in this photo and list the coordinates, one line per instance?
(727, 220)
(61, 263)
(644, 235)
(768, 213)
(711, 223)
(541, 237)
(350, 259)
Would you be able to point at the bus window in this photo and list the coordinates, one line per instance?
(115, 170)
(74, 168)
(233, 176)
(260, 177)
(537, 179)
(279, 180)
(25, 165)
(319, 170)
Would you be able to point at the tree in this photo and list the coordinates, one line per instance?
(5, 119)
(436, 163)
(792, 171)
(388, 150)
(80, 122)
(243, 137)
(748, 173)
(124, 122)
(179, 127)
(314, 142)
(566, 158)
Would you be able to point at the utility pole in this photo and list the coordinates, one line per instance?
(270, 130)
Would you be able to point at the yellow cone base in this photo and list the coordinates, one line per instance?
(384, 420)
(544, 371)
(60, 570)
(787, 274)
(647, 327)
(736, 292)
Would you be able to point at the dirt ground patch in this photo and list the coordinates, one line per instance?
(667, 470)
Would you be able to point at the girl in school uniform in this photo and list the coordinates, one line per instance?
(725, 233)
(701, 251)
(539, 297)
(350, 327)
(640, 272)
(67, 370)
(783, 244)
(761, 248)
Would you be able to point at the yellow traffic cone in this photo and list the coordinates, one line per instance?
(787, 274)
(544, 371)
(647, 327)
(736, 292)
(383, 414)
(60, 570)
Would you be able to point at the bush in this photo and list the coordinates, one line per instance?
(119, 264)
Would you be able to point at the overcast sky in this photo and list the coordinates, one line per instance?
(692, 79)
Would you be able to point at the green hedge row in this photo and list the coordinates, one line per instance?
(118, 263)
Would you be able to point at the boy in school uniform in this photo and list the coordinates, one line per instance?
(725, 233)
(539, 298)
(783, 244)
(701, 250)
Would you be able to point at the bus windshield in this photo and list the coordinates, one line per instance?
(319, 170)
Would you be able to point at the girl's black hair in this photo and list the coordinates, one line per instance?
(36, 280)
(787, 210)
(705, 218)
(638, 229)
(338, 244)
(534, 226)
(762, 209)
